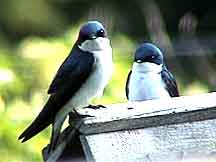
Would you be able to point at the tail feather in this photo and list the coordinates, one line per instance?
(33, 129)
(43, 120)
(47, 115)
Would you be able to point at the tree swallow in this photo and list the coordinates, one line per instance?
(149, 78)
(82, 76)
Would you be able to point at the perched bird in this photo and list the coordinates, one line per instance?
(149, 78)
(82, 76)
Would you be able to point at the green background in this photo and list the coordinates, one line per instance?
(36, 36)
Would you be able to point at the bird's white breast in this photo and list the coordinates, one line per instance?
(146, 82)
(100, 76)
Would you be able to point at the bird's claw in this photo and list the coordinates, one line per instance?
(75, 116)
(95, 107)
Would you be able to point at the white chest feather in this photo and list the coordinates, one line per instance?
(100, 76)
(146, 83)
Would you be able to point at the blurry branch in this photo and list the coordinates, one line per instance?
(203, 67)
(188, 23)
(156, 28)
(155, 25)
(102, 12)
(186, 44)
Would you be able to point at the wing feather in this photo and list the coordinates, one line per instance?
(127, 85)
(71, 75)
(170, 82)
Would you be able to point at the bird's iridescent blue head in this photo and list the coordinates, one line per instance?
(91, 30)
(148, 52)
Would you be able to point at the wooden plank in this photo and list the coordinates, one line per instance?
(180, 128)
(156, 144)
(86, 148)
(150, 113)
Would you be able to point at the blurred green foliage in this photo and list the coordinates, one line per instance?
(34, 40)
(25, 73)
(25, 76)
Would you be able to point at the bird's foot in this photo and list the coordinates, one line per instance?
(95, 107)
(81, 116)
(52, 145)
(50, 149)
(75, 116)
(45, 152)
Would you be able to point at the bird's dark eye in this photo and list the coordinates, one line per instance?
(101, 33)
(85, 37)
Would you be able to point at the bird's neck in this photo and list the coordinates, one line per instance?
(147, 68)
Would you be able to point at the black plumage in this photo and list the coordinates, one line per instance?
(71, 75)
(170, 82)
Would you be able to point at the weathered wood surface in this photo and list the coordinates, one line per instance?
(150, 113)
(161, 130)
(155, 144)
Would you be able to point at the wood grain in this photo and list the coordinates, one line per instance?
(176, 129)
(150, 113)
